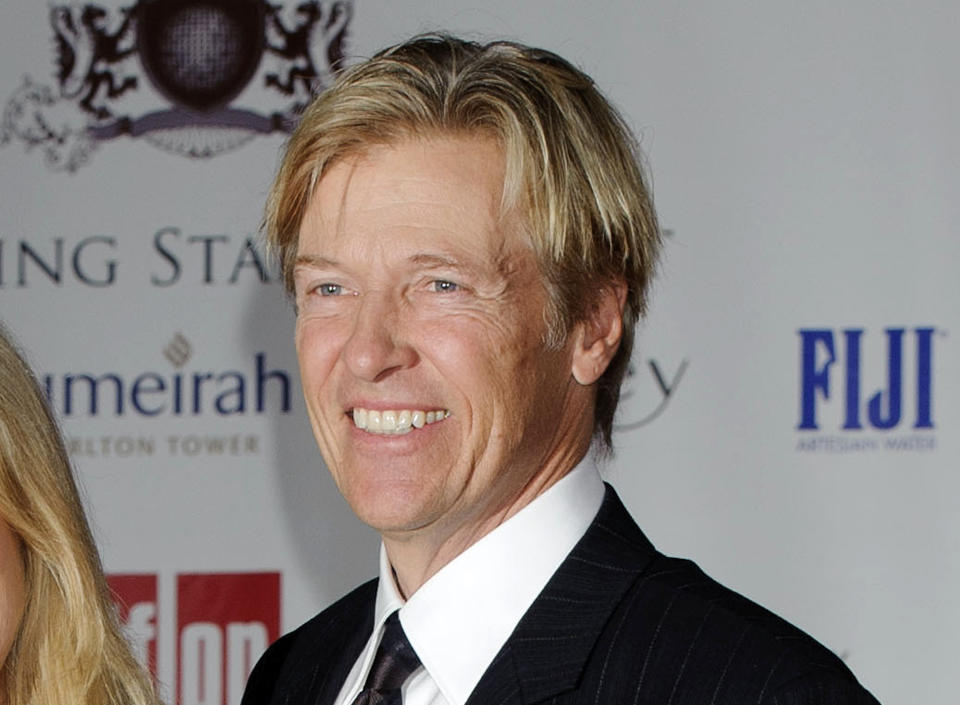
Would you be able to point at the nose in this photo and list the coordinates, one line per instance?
(378, 345)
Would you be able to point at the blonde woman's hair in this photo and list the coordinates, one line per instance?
(69, 649)
(573, 167)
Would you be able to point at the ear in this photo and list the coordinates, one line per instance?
(597, 337)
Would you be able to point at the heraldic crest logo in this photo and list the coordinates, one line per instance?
(192, 77)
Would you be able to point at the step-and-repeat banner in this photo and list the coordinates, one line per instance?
(791, 413)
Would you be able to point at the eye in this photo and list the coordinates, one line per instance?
(328, 289)
(443, 286)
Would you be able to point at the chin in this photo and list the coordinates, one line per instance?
(392, 519)
(390, 505)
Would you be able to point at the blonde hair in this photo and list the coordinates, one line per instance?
(573, 167)
(69, 649)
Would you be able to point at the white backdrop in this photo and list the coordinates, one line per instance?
(805, 161)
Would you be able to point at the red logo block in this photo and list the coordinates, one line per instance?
(224, 623)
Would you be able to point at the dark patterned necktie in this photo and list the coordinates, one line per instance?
(393, 664)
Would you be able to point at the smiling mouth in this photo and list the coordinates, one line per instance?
(395, 422)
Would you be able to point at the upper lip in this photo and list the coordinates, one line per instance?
(393, 406)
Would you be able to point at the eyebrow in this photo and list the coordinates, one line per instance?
(433, 260)
(317, 261)
(422, 259)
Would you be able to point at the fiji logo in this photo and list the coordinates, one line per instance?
(906, 394)
(193, 77)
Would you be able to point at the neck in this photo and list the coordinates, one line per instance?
(418, 555)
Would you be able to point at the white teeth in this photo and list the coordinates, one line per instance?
(388, 421)
(395, 422)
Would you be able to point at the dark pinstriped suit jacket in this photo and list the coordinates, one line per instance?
(617, 623)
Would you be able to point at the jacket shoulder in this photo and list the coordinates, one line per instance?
(311, 651)
(690, 639)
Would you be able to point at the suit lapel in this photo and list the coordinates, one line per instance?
(548, 650)
(344, 655)
(322, 657)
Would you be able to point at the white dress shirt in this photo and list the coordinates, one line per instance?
(460, 618)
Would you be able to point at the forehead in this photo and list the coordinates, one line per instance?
(441, 192)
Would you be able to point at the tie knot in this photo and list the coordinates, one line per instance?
(395, 659)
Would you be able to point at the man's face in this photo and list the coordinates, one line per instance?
(420, 310)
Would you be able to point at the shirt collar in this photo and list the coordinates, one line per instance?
(479, 597)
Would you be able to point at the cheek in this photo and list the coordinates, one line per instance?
(11, 593)
(493, 365)
(316, 351)
(11, 611)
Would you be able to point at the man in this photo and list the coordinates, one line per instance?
(468, 239)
